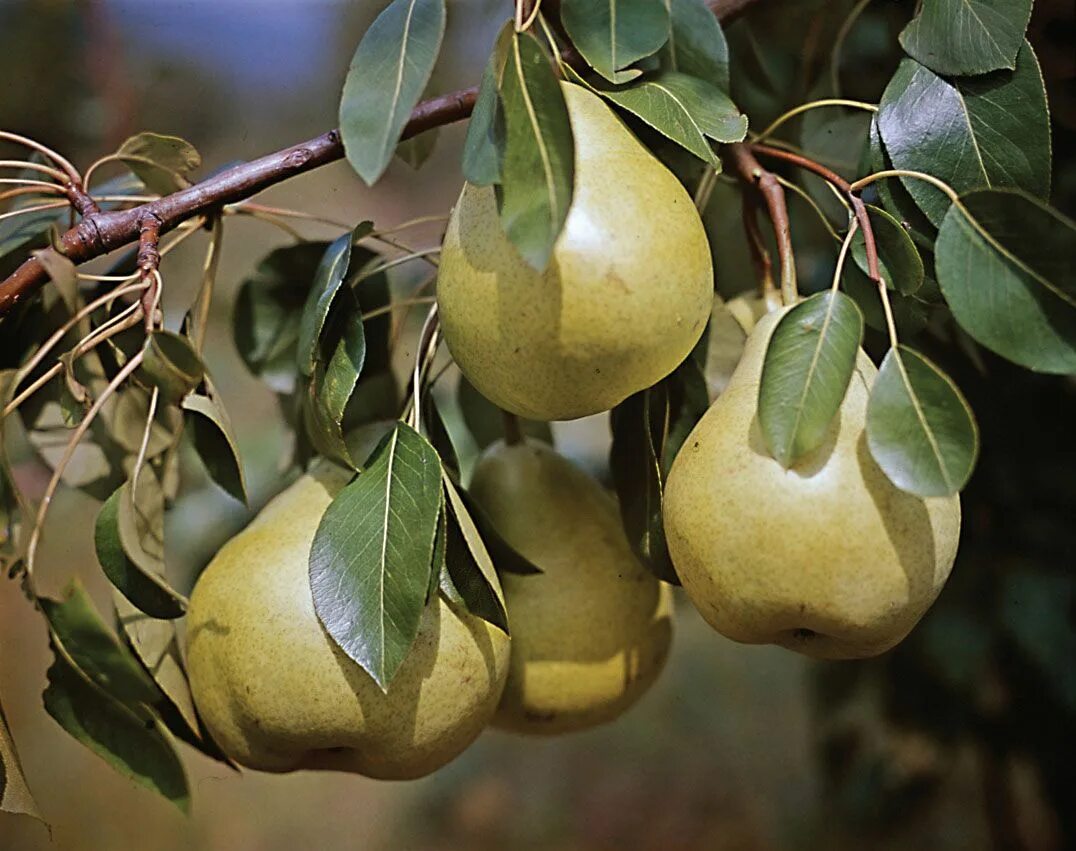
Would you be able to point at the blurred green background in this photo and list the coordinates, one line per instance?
(958, 739)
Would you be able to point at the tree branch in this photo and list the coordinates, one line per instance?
(100, 233)
(751, 171)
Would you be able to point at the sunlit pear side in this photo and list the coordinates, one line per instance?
(276, 692)
(591, 633)
(827, 558)
(624, 299)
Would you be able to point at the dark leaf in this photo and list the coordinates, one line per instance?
(370, 560)
(214, 441)
(539, 157)
(332, 387)
(613, 34)
(967, 37)
(483, 148)
(1007, 268)
(505, 557)
(986, 132)
(809, 362)
(132, 741)
(899, 262)
(267, 312)
(696, 44)
(388, 72)
(469, 578)
(485, 421)
(919, 428)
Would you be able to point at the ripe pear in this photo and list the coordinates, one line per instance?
(276, 692)
(591, 633)
(625, 296)
(827, 558)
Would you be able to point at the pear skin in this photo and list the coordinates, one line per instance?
(623, 301)
(827, 558)
(276, 692)
(591, 633)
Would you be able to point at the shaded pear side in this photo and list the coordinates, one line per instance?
(827, 558)
(592, 632)
(624, 299)
(276, 692)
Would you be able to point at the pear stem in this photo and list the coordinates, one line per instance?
(513, 434)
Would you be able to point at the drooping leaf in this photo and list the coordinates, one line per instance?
(612, 34)
(214, 441)
(684, 109)
(640, 427)
(1007, 269)
(696, 44)
(388, 72)
(986, 132)
(15, 796)
(967, 37)
(133, 742)
(920, 430)
(77, 627)
(437, 560)
(483, 147)
(469, 578)
(198, 316)
(267, 312)
(328, 279)
(539, 157)
(129, 540)
(370, 559)
(172, 365)
(485, 421)
(899, 262)
(162, 163)
(808, 364)
(433, 426)
(63, 276)
(332, 386)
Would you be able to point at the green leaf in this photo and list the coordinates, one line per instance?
(435, 430)
(539, 157)
(469, 578)
(172, 365)
(63, 276)
(640, 426)
(809, 362)
(437, 560)
(129, 540)
(162, 163)
(895, 197)
(332, 387)
(696, 44)
(133, 742)
(611, 34)
(505, 557)
(899, 262)
(77, 627)
(214, 441)
(370, 560)
(485, 421)
(15, 795)
(920, 430)
(265, 324)
(967, 37)
(483, 148)
(684, 109)
(388, 72)
(988, 132)
(328, 279)
(1007, 269)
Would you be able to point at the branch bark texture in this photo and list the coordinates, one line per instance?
(102, 232)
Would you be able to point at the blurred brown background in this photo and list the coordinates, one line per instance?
(955, 741)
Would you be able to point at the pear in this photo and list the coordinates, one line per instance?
(625, 296)
(591, 633)
(827, 558)
(276, 692)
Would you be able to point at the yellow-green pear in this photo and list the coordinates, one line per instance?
(828, 557)
(623, 301)
(590, 634)
(276, 692)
